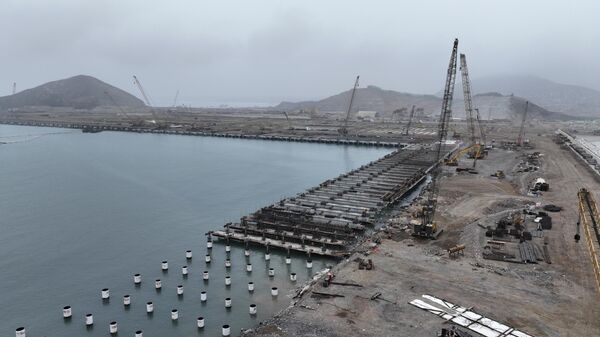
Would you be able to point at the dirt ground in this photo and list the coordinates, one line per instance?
(557, 299)
(242, 121)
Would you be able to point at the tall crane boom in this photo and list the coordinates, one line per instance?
(160, 124)
(427, 227)
(14, 88)
(446, 112)
(288, 120)
(344, 129)
(480, 125)
(466, 83)
(175, 99)
(522, 129)
(476, 147)
(410, 118)
(141, 89)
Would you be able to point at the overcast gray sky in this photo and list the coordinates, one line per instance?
(259, 51)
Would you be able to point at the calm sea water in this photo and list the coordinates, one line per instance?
(594, 140)
(81, 212)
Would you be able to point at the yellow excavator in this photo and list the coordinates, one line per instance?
(474, 151)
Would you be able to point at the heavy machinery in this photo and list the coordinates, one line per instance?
(134, 121)
(138, 84)
(410, 118)
(173, 108)
(175, 99)
(476, 148)
(466, 83)
(398, 113)
(343, 131)
(520, 138)
(160, 124)
(426, 226)
(288, 120)
(481, 131)
(14, 88)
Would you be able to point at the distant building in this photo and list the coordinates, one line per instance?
(368, 115)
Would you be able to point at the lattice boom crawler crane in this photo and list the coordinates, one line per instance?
(426, 227)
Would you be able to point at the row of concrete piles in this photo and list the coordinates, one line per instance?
(326, 219)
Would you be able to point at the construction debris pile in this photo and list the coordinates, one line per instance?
(513, 239)
(530, 162)
(453, 332)
(364, 264)
(543, 221)
(511, 225)
(326, 219)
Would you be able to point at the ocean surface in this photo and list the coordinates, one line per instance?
(594, 140)
(81, 212)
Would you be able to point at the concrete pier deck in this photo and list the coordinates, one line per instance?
(98, 128)
(328, 219)
(582, 149)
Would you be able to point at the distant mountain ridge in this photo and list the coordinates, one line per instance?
(78, 92)
(497, 106)
(385, 102)
(371, 98)
(569, 99)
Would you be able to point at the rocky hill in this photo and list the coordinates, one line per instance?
(371, 98)
(385, 102)
(497, 106)
(569, 99)
(79, 92)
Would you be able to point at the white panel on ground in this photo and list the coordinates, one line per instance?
(466, 318)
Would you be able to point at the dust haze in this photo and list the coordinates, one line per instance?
(262, 52)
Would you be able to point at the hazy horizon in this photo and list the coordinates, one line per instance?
(271, 51)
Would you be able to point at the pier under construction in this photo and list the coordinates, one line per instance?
(327, 219)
